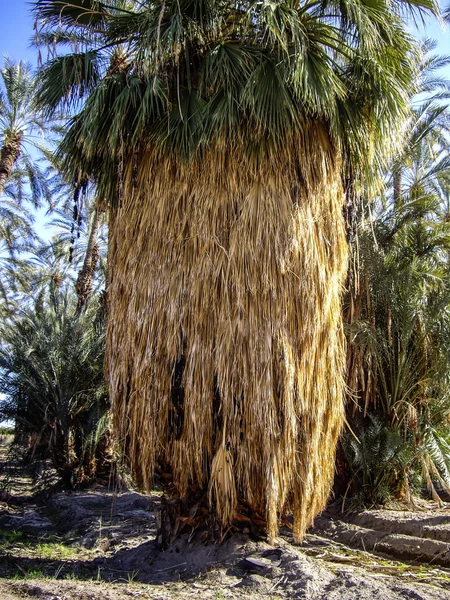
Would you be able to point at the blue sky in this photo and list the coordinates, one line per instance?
(16, 30)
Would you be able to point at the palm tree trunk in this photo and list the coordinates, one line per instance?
(9, 153)
(83, 285)
(397, 176)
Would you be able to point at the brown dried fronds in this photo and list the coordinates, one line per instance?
(222, 485)
(234, 265)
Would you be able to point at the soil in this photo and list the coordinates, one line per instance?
(102, 544)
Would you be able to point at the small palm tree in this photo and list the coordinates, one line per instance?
(20, 122)
(51, 376)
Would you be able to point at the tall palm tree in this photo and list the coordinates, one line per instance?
(19, 179)
(19, 121)
(84, 284)
(81, 226)
(79, 219)
(429, 123)
(224, 137)
(398, 325)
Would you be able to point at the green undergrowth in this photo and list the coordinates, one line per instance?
(56, 550)
(48, 547)
(23, 574)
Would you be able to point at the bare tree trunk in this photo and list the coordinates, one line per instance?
(9, 153)
(397, 176)
(83, 285)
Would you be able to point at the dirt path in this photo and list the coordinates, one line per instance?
(102, 545)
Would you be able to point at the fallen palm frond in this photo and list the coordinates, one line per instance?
(226, 279)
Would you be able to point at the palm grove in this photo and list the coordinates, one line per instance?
(247, 154)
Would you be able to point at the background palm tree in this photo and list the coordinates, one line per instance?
(429, 123)
(400, 343)
(224, 138)
(51, 359)
(398, 313)
(85, 243)
(51, 373)
(20, 122)
(22, 178)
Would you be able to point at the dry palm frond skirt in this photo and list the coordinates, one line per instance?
(225, 344)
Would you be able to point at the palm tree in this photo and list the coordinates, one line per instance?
(19, 120)
(52, 381)
(429, 123)
(20, 180)
(224, 137)
(398, 325)
(82, 230)
(81, 220)
(85, 277)
(399, 349)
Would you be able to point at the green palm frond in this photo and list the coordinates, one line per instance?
(70, 78)
(377, 459)
(16, 227)
(259, 71)
(76, 13)
(446, 14)
(17, 110)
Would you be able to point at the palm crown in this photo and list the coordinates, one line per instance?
(182, 75)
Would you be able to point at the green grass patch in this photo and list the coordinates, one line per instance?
(55, 551)
(31, 574)
(11, 536)
(47, 547)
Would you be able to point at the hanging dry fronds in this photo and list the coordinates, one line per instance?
(222, 486)
(216, 141)
(226, 350)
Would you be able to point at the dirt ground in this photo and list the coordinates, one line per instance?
(101, 544)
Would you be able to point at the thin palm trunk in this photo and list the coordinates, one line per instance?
(397, 179)
(9, 154)
(83, 285)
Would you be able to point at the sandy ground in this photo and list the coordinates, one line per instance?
(102, 544)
